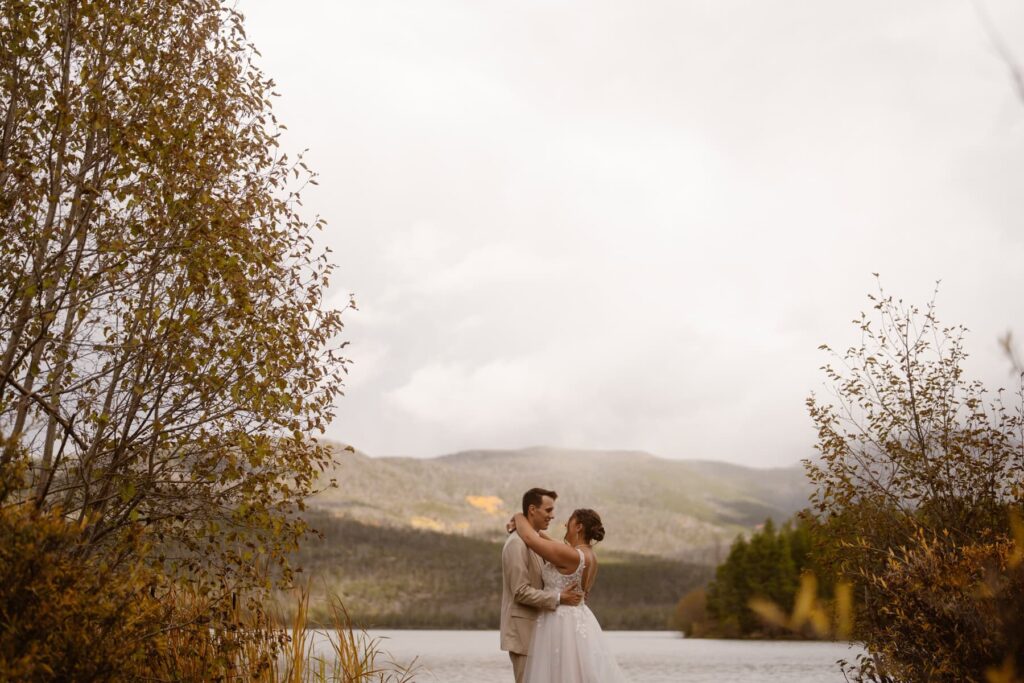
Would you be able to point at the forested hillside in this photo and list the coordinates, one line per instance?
(408, 578)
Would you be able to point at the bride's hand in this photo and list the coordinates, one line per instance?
(511, 525)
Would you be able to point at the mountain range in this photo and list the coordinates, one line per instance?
(684, 510)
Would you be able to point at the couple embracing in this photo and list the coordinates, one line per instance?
(547, 629)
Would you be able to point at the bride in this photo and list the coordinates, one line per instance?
(568, 645)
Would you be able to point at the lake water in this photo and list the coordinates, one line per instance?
(645, 657)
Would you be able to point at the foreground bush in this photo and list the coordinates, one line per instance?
(921, 471)
(68, 615)
(950, 612)
(65, 616)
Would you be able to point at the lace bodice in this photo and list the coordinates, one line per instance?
(555, 580)
(568, 645)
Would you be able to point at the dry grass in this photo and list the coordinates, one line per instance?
(352, 656)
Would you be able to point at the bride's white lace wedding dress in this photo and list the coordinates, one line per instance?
(568, 645)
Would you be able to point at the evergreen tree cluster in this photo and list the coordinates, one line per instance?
(767, 565)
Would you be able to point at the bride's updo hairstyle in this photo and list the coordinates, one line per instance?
(593, 530)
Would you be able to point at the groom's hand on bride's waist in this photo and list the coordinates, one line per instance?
(571, 596)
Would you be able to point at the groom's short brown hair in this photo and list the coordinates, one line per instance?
(536, 497)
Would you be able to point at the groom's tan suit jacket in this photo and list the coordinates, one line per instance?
(521, 595)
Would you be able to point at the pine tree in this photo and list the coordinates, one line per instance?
(768, 565)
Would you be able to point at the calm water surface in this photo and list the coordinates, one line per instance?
(645, 657)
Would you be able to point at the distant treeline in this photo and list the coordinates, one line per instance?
(767, 565)
(405, 578)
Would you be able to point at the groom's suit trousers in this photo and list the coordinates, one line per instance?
(518, 665)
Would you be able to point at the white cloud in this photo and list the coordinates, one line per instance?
(630, 225)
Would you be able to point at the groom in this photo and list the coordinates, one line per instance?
(522, 596)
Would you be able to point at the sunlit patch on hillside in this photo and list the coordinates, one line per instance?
(489, 504)
(426, 523)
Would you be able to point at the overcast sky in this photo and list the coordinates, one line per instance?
(630, 224)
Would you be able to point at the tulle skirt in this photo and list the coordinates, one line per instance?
(568, 646)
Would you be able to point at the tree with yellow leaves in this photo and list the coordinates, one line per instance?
(164, 345)
(919, 476)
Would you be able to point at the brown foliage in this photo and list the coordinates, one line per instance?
(164, 349)
(949, 612)
(920, 471)
(691, 615)
(64, 617)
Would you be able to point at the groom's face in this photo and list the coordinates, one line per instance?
(540, 517)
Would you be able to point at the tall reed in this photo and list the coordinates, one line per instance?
(267, 649)
(351, 655)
